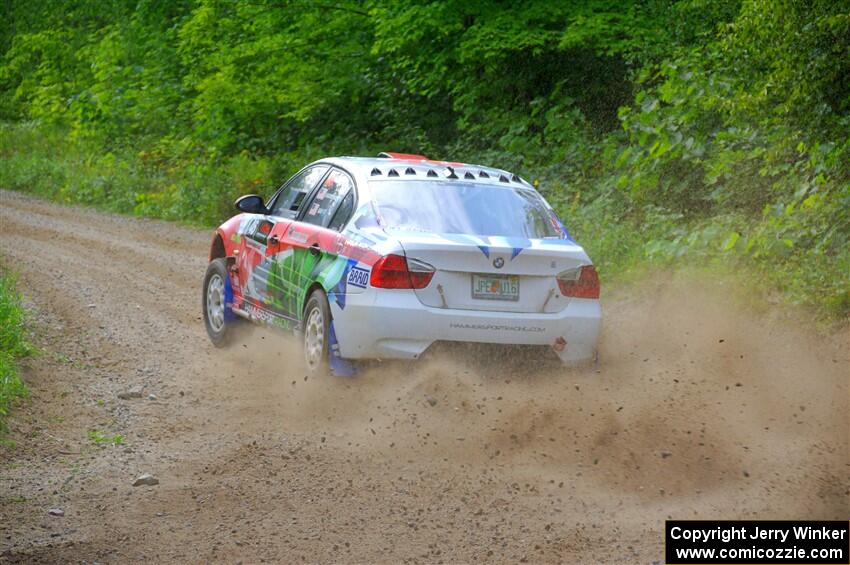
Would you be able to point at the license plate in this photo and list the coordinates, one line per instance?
(495, 287)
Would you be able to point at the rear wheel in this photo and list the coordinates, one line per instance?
(214, 303)
(317, 319)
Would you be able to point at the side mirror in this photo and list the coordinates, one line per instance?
(252, 204)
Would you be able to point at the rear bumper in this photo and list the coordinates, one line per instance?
(399, 326)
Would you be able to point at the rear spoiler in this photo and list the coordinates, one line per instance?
(402, 156)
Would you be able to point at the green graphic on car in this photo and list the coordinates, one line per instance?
(293, 272)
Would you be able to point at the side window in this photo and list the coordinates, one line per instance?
(330, 195)
(289, 200)
(343, 213)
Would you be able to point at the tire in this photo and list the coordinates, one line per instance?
(317, 319)
(217, 319)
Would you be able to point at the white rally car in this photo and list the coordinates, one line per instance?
(379, 258)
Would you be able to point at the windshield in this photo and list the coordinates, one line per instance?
(461, 207)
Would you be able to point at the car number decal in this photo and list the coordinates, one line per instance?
(358, 277)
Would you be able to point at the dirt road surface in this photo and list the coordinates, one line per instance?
(701, 408)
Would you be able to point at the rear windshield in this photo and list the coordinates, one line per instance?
(462, 207)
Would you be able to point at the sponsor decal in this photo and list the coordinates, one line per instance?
(337, 293)
(497, 327)
(298, 236)
(358, 277)
(358, 250)
(260, 314)
(559, 226)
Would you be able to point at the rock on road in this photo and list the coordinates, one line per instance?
(702, 408)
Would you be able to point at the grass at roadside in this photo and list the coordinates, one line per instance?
(626, 250)
(46, 161)
(13, 345)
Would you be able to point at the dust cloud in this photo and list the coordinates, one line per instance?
(698, 401)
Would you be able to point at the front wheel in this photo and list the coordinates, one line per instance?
(214, 303)
(317, 319)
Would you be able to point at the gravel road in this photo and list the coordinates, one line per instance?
(703, 407)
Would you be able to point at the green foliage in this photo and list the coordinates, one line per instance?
(663, 131)
(748, 139)
(99, 438)
(13, 345)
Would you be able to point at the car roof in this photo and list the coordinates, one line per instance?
(401, 166)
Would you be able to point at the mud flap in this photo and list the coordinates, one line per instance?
(339, 367)
(229, 316)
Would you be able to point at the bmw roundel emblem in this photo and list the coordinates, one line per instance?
(498, 262)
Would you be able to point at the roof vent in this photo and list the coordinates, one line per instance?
(392, 173)
(468, 175)
(376, 172)
(432, 173)
(450, 173)
(409, 171)
(483, 175)
(503, 178)
(516, 179)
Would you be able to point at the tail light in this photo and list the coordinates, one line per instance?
(579, 283)
(395, 271)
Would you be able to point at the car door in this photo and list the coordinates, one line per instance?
(262, 242)
(314, 240)
(253, 235)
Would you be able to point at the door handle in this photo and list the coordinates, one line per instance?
(315, 249)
